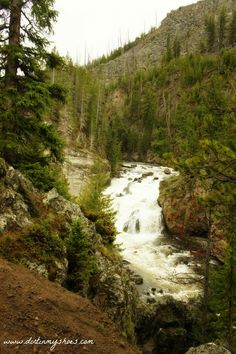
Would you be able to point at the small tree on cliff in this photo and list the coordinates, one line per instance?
(232, 29)
(211, 32)
(222, 27)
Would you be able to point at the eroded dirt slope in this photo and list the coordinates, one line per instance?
(32, 308)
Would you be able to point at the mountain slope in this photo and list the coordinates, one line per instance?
(187, 24)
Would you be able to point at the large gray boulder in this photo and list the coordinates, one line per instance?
(209, 348)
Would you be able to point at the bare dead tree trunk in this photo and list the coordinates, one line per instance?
(14, 41)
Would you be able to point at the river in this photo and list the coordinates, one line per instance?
(166, 268)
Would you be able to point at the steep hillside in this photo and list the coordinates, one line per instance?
(34, 309)
(187, 25)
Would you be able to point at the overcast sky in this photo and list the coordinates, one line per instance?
(94, 27)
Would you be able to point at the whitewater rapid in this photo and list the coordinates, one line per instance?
(166, 269)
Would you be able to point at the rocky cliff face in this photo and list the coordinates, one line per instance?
(182, 210)
(185, 215)
(187, 24)
(80, 165)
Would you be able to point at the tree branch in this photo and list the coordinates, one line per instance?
(3, 26)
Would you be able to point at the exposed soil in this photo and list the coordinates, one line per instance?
(33, 307)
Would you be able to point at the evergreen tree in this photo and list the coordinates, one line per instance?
(232, 30)
(176, 47)
(54, 61)
(26, 140)
(23, 40)
(82, 263)
(113, 146)
(222, 27)
(211, 32)
(169, 54)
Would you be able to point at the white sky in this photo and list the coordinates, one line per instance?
(91, 28)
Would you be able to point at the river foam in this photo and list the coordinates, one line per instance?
(142, 240)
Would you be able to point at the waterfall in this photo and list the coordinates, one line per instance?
(150, 253)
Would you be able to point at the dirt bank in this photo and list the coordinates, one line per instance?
(33, 307)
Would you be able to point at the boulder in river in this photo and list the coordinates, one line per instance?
(137, 226)
(137, 279)
(138, 179)
(147, 174)
(127, 166)
(167, 171)
(126, 190)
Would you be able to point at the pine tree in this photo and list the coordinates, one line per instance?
(22, 38)
(222, 27)
(176, 48)
(211, 32)
(26, 140)
(232, 29)
(54, 61)
(169, 54)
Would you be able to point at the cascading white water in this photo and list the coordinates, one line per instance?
(165, 269)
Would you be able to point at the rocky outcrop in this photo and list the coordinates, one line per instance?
(80, 165)
(19, 201)
(165, 328)
(113, 291)
(25, 234)
(185, 215)
(209, 348)
(182, 210)
(68, 210)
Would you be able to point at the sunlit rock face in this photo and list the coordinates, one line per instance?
(183, 212)
(209, 348)
(17, 199)
(185, 215)
(80, 165)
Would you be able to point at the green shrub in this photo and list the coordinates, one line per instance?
(39, 242)
(58, 92)
(229, 58)
(46, 177)
(97, 208)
